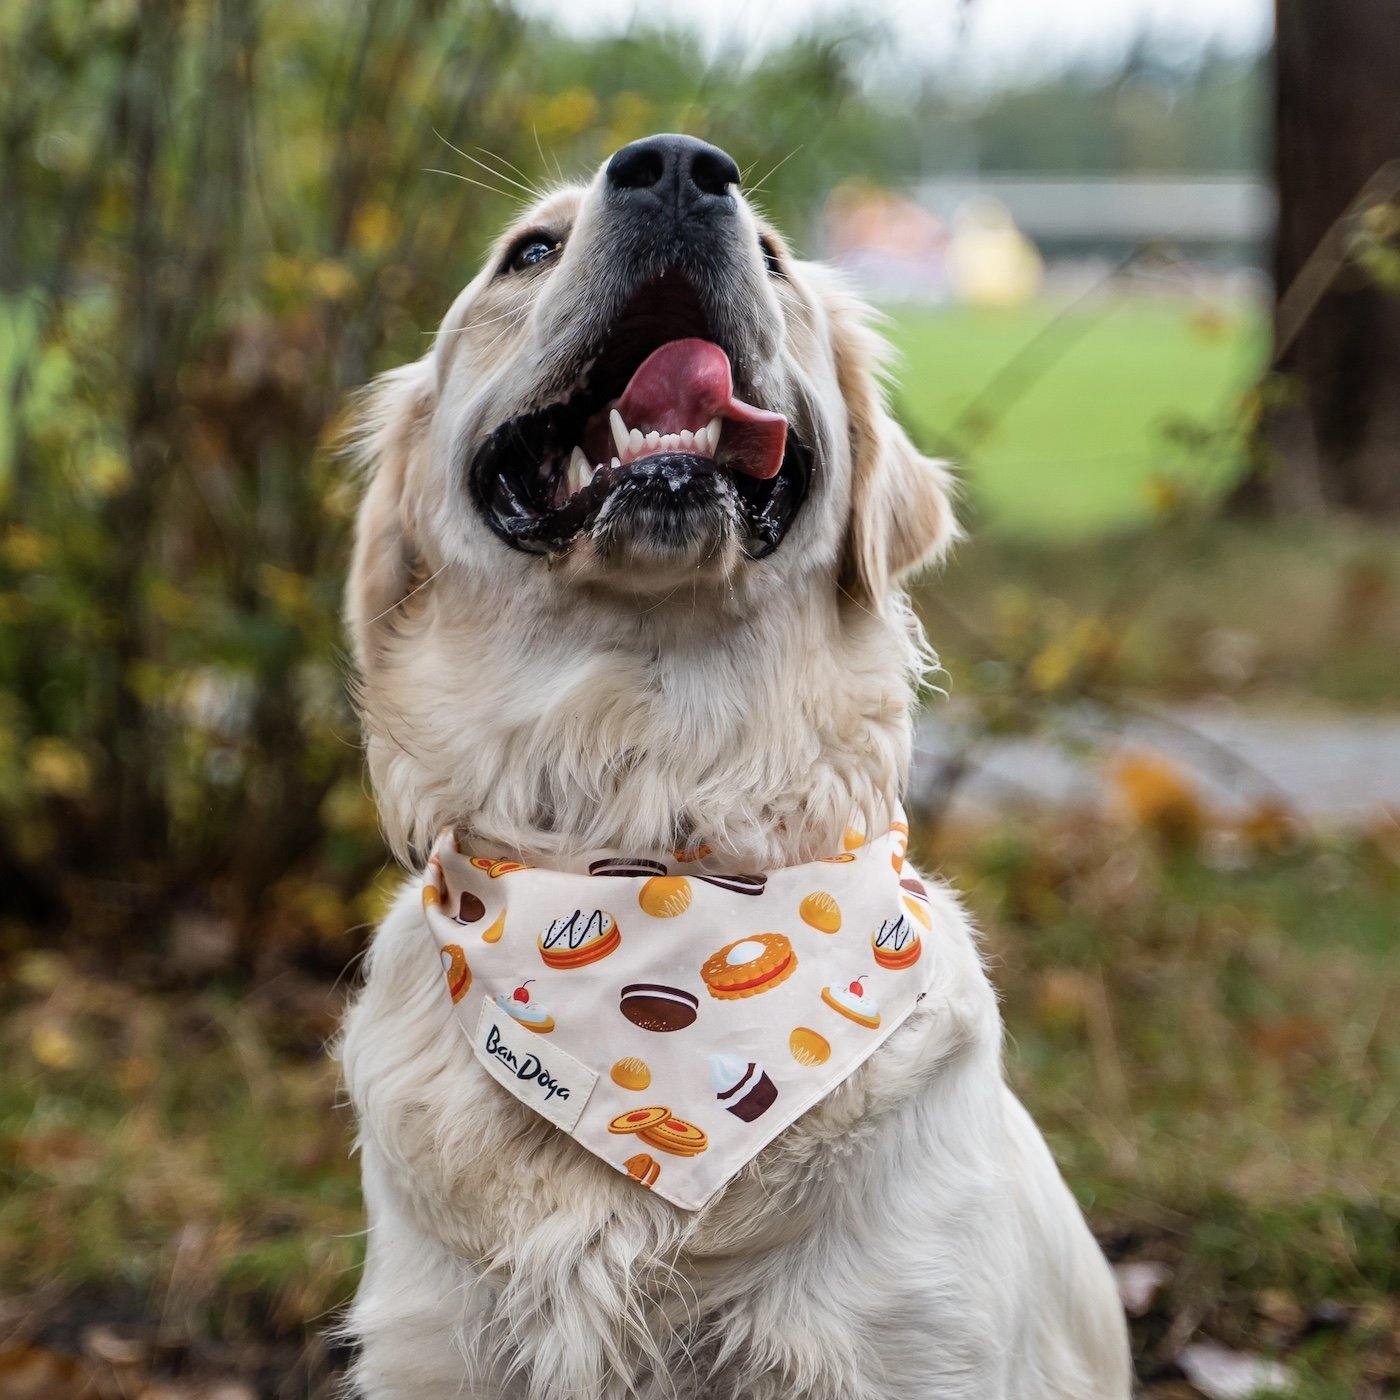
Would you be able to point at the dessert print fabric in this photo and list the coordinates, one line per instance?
(673, 1018)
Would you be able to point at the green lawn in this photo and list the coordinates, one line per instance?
(1076, 449)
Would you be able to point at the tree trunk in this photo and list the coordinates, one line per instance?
(1330, 436)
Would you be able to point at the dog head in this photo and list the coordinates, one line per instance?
(643, 402)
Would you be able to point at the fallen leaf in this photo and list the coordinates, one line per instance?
(1221, 1374)
(1139, 1283)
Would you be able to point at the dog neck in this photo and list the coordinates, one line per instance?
(763, 726)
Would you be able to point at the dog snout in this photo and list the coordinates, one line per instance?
(672, 179)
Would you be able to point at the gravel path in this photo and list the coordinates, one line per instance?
(1338, 768)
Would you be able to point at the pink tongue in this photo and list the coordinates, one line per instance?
(685, 383)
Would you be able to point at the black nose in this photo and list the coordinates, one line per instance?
(677, 171)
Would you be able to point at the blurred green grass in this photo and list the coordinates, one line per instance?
(1079, 451)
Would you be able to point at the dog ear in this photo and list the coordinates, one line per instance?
(385, 565)
(901, 501)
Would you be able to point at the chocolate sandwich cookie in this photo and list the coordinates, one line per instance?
(626, 865)
(655, 1007)
(469, 909)
(736, 884)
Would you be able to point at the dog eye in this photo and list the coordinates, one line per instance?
(532, 250)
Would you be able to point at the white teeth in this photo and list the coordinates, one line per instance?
(616, 463)
(619, 432)
(687, 440)
(711, 431)
(580, 473)
(635, 443)
(653, 439)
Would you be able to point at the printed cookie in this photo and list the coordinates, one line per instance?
(530, 1014)
(852, 1003)
(736, 884)
(459, 975)
(665, 896)
(469, 909)
(742, 1086)
(676, 1136)
(821, 912)
(896, 943)
(631, 1073)
(845, 858)
(656, 1007)
(643, 1168)
(495, 868)
(580, 938)
(686, 854)
(916, 900)
(808, 1048)
(636, 1119)
(749, 966)
(626, 866)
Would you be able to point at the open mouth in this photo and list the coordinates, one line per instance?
(657, 435)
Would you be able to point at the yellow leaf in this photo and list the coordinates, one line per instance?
(53, 1047)
(58, 768)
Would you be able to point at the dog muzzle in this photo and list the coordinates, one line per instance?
(671, 1019)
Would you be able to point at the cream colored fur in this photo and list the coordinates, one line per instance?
(910, 1237)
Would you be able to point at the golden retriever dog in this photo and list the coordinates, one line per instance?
(593, 608)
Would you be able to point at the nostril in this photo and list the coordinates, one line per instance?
(713, 171)
(636, 167)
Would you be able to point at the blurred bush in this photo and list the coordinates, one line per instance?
(216, 219)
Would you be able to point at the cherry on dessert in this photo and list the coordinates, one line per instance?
(521, 994)
(855, 989)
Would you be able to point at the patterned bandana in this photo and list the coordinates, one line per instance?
(670, 1019)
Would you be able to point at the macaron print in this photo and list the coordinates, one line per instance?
(742, 1086)
(808, 1048)
(455, 969)
(896, 944)
(522, 1007)
(653, 1006)
(579, 938)
(665, 896)
(631, 1073)
(819, 910)
(915, 898)
(749, 966)
(851, 1002)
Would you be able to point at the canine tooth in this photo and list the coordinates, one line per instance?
(619, 432)
(580, 473)
(712, 435)
(635, 442)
